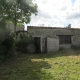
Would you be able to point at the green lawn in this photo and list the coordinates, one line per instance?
(62, 65)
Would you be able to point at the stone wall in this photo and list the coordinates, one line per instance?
(43, 44)
(48, 32)
(54, 32)
(11, 26)
(76, 37)
(65, 46)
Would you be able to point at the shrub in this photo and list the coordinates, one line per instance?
(22, 44)
(6, 46)
(2, 51)
(75, 46)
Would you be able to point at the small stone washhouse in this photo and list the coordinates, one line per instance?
(49, 39)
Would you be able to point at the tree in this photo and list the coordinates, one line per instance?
(17, 11)
(69, 25)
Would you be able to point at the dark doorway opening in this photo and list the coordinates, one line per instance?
(37, 44)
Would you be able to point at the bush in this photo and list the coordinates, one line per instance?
(6, 47)
(75, 46)
(22, 44)
(2, 51)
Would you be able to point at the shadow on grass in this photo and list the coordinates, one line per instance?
(31, 66)
(68, 52)
(25, 68)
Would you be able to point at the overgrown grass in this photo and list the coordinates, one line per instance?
(62, 65)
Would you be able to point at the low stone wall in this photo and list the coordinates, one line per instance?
(65, 46)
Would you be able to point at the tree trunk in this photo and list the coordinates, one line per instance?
(15, 23)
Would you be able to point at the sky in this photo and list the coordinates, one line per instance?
(57, 13)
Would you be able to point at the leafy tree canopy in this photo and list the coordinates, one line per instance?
(17, 10)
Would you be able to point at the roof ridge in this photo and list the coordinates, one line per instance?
(51, 27)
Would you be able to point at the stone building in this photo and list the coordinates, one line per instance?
(10, 25)
(49, 39)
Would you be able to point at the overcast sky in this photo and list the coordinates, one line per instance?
(57, 13)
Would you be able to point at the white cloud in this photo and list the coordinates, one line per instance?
(57, 13)
(74, 15)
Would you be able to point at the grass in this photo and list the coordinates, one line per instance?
(62, 65)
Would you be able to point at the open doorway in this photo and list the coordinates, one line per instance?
(37, 44)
